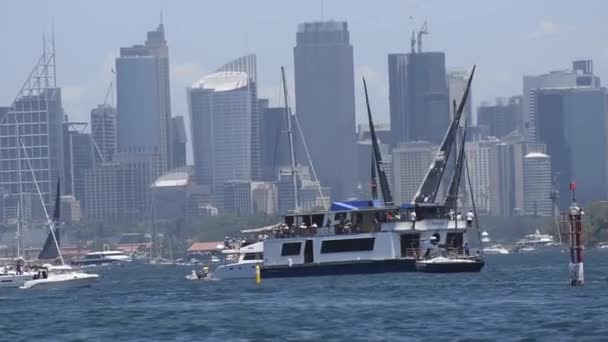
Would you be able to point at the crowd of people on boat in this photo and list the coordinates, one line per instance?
(233, 243)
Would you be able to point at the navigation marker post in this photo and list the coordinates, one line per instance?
(575, 223)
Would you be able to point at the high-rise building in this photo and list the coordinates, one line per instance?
(31, 134)
(507, 175)
(274, 152)
(143, 99)
(244, 198)
(419, 96)
(410, 164)
(581, 75)
(457, 84)
(500, 117)
(220, 122)
(178, 135)
(103, 132)
(78, 151)
(325, 102)
(481, 165)
(572, 123)
(537, 184)
(397, 97)
(121, 190)
(248, 65)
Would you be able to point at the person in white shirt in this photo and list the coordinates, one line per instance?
(470, 217)
(413, 219)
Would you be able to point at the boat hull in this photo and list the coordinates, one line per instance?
(451, 267)
(62, 281)
(329, 269)
(14, 281)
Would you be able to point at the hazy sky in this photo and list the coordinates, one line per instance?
(506, 39)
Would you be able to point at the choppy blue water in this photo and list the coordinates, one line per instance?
(516, 297)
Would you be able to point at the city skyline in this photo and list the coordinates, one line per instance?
(548, 37)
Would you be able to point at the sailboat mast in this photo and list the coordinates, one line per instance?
(291, 149)
(20, 204)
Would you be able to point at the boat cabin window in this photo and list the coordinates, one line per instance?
(253, 256)
(347, 245)
(291, 248)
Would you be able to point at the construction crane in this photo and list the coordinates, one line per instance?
(423, 30)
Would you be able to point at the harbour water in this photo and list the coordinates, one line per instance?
(515, 297)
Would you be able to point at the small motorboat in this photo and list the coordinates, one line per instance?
(495, 249)
(449, 265)
(59, 276)
(204, 274)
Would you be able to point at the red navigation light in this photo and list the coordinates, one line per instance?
(572, 186)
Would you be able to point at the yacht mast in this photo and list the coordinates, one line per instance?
(291, 149)
(377, 156)
(20, 203)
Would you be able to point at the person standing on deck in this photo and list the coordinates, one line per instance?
(413, 218)
(470, 217)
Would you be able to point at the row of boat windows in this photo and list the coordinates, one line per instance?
(332, 246)
(253, 256)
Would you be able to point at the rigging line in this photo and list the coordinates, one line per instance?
(466, 164)
(49, 221)
(312, 167)
(276, 167)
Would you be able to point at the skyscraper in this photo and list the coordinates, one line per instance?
(481, 164)
(78, 151)
(274, 151)
(537, 184)
(572, 123)
(410, 164)
(220, 122)
(325, 102)
(143, 99)
(248, 65)
(500, 117)
(31, 133)
(581, 75)
(178, 135)
(397, 80)
(507, 175)
(418, 95)
(457, 84)
(103, 132)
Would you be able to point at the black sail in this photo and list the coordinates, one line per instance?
(384, 187)
(430, 185)
(49, 250)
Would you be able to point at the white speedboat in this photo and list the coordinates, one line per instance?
(495, 249)
(602, 245)
(59, 276)
(102, 258)
(449, 265)
(248, 257)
